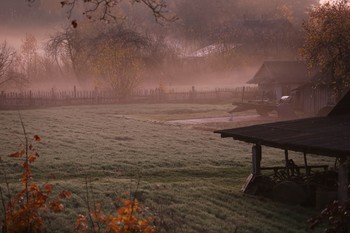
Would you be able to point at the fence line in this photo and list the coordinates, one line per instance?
(28, 99)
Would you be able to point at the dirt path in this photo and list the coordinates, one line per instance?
(217, 119)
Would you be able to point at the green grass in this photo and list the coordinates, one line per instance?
(189, 176)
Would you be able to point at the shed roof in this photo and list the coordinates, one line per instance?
(328, 136)
(284, 72)
(210, 49)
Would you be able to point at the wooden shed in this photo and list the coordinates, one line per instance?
(311, 100)
(324, 136)
(278, 78)
(292, 78)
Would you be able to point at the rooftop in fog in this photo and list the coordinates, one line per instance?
(285, 72)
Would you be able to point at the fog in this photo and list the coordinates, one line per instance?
(247, 32)
(18, 18)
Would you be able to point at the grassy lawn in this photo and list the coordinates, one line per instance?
(188, 175)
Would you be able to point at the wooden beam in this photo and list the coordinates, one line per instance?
(256, 159)
(286, 158)
(343, 179)
(307, 171)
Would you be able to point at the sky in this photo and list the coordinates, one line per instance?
(41, 19)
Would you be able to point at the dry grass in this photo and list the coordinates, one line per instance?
(190, 177)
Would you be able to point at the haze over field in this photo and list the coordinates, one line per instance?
(213, 43)
(127, 107)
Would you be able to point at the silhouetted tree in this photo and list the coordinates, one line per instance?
(71, 50)
(8, 72)
(29, 57)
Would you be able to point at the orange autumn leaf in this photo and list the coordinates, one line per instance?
(56, 207)
(37, 138)
(121, 211)
(64, 194)
(48, 188)
(26, 167)
(21, 193)
(33, 187)
(81, 225)
(40, 198)
(31, 158)
(129, 218)
(24, 178)
(18, 154)
(127, 203)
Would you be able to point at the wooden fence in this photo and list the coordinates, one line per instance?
(30, 99)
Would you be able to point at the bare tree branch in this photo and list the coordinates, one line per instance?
(7, 60)
(104, 9)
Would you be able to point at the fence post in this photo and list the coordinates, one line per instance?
(243, 90)
(16, 98)
(53, 96)
(30, 98)
(75, 92)
(96, 95)
(193, 93)
(3, 98)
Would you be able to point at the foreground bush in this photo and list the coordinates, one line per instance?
(130, 217)
(24, 211)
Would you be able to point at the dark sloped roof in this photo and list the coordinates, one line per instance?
(285, 72)
(329, 136)
(342, 107)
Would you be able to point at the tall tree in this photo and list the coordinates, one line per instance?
(71, 49)
(29, 57)
(8, 59)
(7, 55)
(327, 44)
(119, 59)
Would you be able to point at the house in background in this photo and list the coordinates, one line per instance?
(278, 78)
(314, 100)
(292, 78)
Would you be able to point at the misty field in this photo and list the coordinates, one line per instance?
(189, 176)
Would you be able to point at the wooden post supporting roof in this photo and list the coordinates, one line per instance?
(286, 158)
(305, 164)
(343, 179)
(256, 157)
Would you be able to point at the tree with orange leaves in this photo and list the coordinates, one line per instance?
(23, 212)
(130, 217)
(327, 44)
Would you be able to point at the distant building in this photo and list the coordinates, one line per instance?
(279, 78)
(292, 78)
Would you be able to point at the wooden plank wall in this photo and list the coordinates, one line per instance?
(313, 99)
